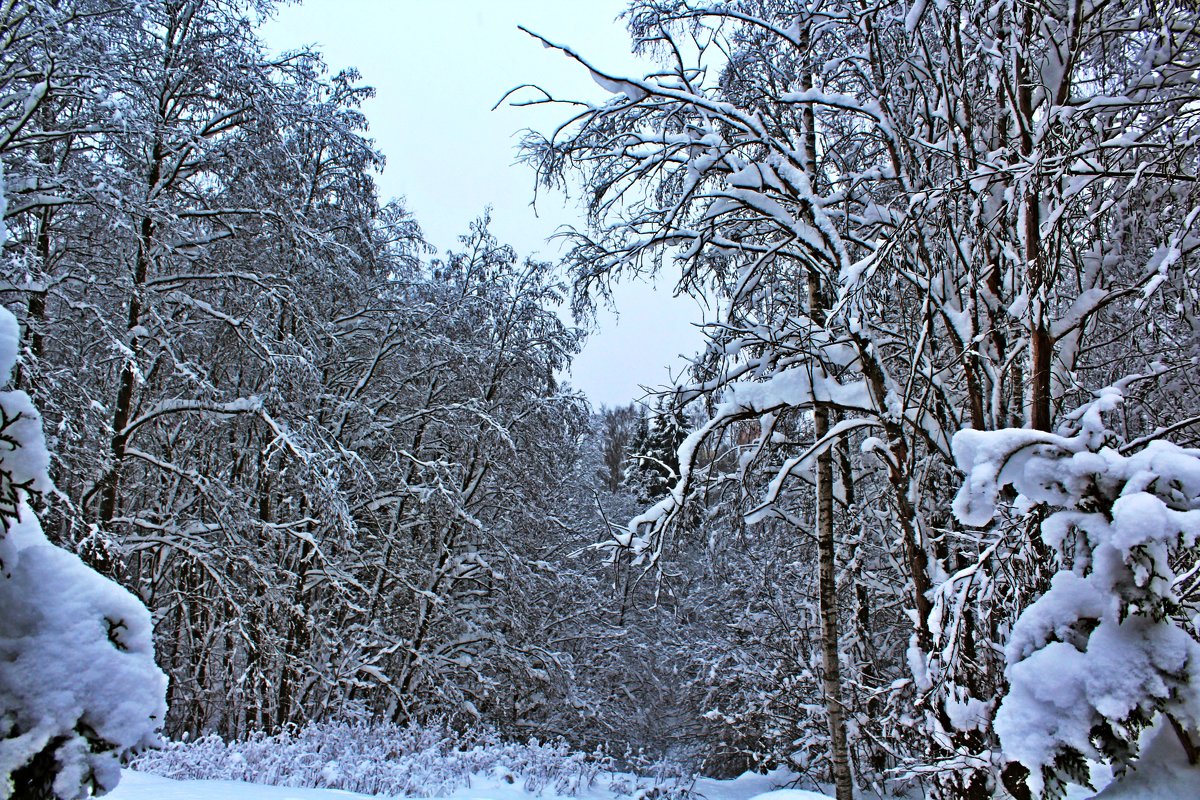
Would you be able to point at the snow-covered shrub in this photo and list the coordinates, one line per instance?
(78, 684)
(1113, 643)
(410, 760)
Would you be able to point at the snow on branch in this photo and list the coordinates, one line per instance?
(1113, 642)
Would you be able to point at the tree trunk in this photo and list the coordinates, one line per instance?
(827, 565)
(1041, 345)
(827, 590)
(123, 408)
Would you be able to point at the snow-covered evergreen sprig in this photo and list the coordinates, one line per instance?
(1113, 643)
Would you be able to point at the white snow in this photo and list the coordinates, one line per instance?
(619, 86)
(1162, 773)
(75, 648)
(797, 387)
(791, 794)
(1102, 645)
(140, 786)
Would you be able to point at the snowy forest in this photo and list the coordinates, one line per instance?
(920, 520)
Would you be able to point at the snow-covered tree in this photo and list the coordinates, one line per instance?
(619, 425)
(464, 429)
(79, 689)
(653, 462)
(1112, 643)
(918, 218)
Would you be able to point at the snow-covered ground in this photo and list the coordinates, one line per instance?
(140, 786)
(1170, 781)
(1162, 780)
(437, 764)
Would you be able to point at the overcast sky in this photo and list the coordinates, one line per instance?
(438, 68)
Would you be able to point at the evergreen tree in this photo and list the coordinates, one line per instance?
(653, 464)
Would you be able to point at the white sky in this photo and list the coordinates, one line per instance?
(438, 67)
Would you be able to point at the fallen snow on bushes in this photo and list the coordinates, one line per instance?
(1163, 772)
(359, 759)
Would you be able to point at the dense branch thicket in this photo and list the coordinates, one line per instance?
(323, 461)
(341, 474)
(920, 219)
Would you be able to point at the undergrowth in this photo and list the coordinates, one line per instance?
(409, 760)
